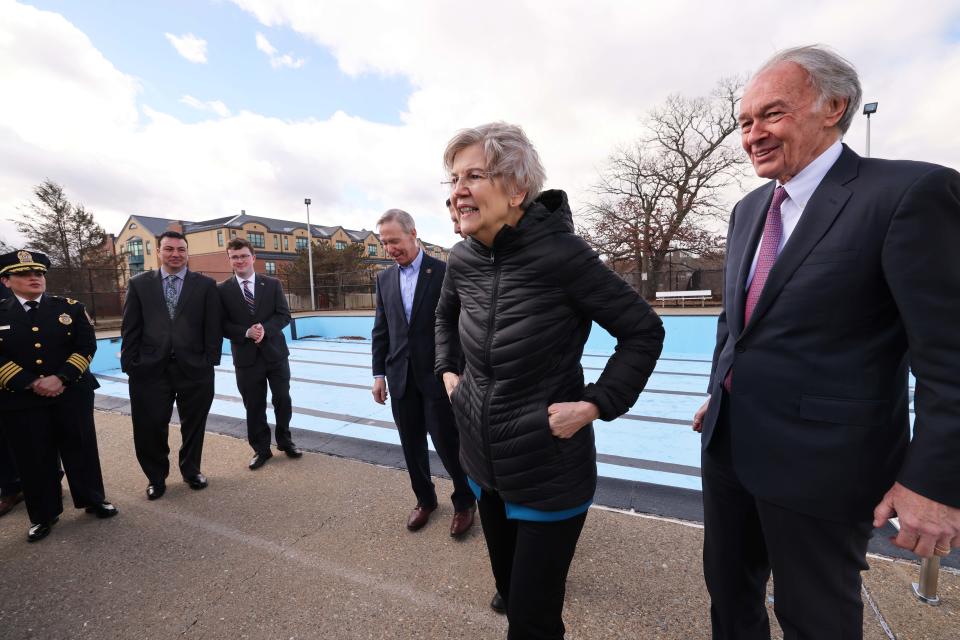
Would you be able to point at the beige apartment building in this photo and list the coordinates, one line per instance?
(276, 242)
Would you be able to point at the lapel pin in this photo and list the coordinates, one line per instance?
(429, 270)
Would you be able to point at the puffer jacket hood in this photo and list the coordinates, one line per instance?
(521, 312)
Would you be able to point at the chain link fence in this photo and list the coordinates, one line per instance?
(677, 278)
(102, 290)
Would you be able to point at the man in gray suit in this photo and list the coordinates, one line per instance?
(403, 353)
(254, 315)
(171, 342)
(841, 271)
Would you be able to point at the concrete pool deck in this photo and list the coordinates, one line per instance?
(315, 548)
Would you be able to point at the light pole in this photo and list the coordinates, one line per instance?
(313, 298)
(869, 109)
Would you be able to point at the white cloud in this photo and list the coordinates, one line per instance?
(216, 106)
(578, 77)
(190, 47)
(277, 61)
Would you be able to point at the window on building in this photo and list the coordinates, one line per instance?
(301, 243)
(135, 247)
(133, 225)
(256, 239)
(220, 237)
(148, 247)
(372, 250)
(286, 243)
(276, 241)
(341, 245)
(233, 233)
(270, 268)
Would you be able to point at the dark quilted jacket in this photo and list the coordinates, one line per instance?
(523, 311)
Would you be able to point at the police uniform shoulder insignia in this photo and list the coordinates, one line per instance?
(71, 301)
(65, 318)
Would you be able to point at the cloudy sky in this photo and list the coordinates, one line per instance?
(195, 109)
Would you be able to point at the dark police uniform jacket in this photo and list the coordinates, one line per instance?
(60, 342)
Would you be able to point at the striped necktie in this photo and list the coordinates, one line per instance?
(769, 248)
(248, 296)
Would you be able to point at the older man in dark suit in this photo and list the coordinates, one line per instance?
(840, 272)
(254, 315)
(172, 340)
(403, 353)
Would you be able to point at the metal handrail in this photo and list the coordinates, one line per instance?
(925, 589)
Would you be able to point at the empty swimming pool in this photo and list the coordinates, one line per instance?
(330, 363)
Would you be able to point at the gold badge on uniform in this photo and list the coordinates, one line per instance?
(24, 256)
(65, 319)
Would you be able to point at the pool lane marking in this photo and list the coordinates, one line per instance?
(365, 366)
(627, 416)
(620, 461)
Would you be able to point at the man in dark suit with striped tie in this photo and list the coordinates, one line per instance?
(254, 313)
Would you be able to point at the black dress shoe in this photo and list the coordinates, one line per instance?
(291, 451)
(103, 510)
(40, 531)
(259, 459)
(498, 604)
(156, 491)
(197, 482)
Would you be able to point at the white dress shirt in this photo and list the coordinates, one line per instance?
(23, 302)
(251, 280)
(799, 190)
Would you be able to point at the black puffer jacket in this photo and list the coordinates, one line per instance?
(523, 311)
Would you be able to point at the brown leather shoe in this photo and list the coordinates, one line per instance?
(462, 521)
(419, 516)
(9, 502)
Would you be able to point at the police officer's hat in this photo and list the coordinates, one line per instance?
(20, 261)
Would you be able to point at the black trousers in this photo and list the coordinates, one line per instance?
(530, 561)
(43, 437)
(416, 415)
(252, 383)
(9, 476)
(816, 563)
(151, 402)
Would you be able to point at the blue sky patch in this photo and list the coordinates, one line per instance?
(131, 35)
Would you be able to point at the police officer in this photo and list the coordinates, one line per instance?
(46, 346)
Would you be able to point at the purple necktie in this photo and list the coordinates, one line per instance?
(248, 297)
(769, 246)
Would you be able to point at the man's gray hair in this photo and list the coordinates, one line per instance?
(401, 217)
(507, 152)
(830, 74)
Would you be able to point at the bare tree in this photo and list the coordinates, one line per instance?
(77, 246)
(662, 195)
(334, 272)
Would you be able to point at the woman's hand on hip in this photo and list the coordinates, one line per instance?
(566, 418)
(450, 382)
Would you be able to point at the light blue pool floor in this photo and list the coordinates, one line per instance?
(330, 388)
